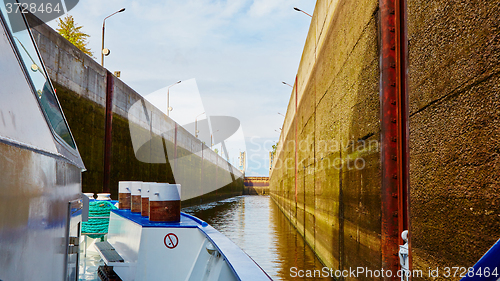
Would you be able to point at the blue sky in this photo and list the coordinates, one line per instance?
(236, 52)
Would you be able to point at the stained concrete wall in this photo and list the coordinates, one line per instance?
(326, 174)
(454, 76)
(81, 82)
(334, 109)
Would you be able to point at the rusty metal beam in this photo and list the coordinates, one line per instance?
(404, 124)
(110, 86)
(394, 130)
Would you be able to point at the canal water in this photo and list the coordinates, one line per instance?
(257, 226)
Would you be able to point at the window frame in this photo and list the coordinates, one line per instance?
(59, 140)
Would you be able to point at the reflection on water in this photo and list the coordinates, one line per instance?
(257, 226)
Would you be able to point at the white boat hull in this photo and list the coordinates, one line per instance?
(187, 251)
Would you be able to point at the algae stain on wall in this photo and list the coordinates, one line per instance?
(86, 119)
(333, 197)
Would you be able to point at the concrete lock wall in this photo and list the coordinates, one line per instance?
(80, 83)
(326, 176)
(454, 78)
(332, 123)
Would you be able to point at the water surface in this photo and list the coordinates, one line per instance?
(257, 226)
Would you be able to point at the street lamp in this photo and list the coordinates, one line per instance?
(299, 10)
(168, 97)
(281, 114)
(196, 125)
(211, 142)
(103, 23)
(287, 84)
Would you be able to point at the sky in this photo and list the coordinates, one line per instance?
(232, 57)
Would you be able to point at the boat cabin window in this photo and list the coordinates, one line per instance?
(35, 70)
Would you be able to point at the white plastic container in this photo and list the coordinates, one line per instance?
(135, 191)
(124, 195)
(145, 199)
(164, 202)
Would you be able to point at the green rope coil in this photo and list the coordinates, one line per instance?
(96, 224)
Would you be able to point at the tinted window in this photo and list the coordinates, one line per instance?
(39, 78)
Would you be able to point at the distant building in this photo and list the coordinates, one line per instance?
(242, 161)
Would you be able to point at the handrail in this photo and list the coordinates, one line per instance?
(489, 262)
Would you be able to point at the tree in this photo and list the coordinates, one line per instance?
(275, 146)
(71, 31)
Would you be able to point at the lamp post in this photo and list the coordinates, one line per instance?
(299, 10)
(168, 97)
(103, 24)
(287, 84)
(281, 114)
(211, 142)
(196, 125)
